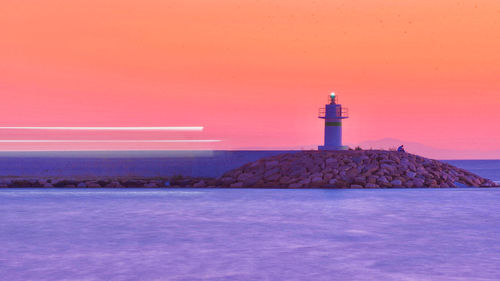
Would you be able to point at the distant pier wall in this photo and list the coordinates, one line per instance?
(126, 163)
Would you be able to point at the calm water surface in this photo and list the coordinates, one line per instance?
(224, 234)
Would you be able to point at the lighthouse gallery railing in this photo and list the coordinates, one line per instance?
(342, 112)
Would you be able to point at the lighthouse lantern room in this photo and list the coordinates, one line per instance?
(333, 113)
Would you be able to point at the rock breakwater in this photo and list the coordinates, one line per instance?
(305, 169)
(350, 169)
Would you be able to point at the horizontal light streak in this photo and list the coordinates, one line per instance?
(108, 128)
(107, 141)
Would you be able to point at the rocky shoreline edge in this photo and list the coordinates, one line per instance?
(305, 169)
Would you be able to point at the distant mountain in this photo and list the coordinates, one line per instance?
(429, 151)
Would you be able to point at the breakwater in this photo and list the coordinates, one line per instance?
(350, 169)
(273, 169)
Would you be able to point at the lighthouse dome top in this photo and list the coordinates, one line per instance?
(332, 98)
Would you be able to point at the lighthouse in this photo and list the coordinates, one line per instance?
(333, 113)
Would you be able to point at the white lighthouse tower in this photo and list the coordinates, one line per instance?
(333, 113)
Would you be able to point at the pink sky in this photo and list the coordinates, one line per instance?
(253, 73)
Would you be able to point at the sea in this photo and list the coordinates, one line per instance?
(253, 234)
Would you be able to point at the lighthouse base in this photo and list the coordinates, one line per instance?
(342, 147)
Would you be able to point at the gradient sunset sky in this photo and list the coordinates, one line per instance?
(253, 73)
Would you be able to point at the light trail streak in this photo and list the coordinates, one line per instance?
(108, 128)
(108, 141)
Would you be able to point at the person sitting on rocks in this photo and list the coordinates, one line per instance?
(401, 149)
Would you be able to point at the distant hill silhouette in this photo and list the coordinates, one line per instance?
(411, 147)
(429, 151)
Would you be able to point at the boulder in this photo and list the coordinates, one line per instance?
(132, 183)
(237, 184)
(305, 181)
(20, 183)
(244, 176)
(371, 185)
(418, 183)
(272, 172)
(227, 181)
(93, 184)
(295, 185)
(331, 161)
(360, 180)
(285, 180)
(199, 184)
(411, 174)
(65, 183)
(341, 184)
(271, 164)
(372, 179)
(352, 172)
(116, 184)
(271, 178)
(388, 168)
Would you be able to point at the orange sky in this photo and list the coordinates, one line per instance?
(254, 73)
